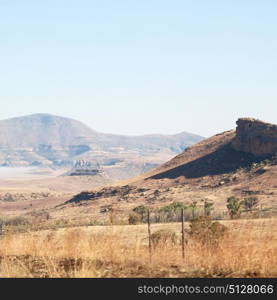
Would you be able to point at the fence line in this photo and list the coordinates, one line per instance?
(183, 234)
(149, 235)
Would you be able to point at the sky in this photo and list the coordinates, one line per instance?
(139, 67)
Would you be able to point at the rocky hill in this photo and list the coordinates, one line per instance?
(252, 141)
(256, 137)
(47, 140)
(239, 163)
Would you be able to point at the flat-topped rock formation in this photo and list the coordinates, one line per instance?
(84, 168)
(256, 137)
(225, 152)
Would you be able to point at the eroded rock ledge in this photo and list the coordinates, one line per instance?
(256, 137)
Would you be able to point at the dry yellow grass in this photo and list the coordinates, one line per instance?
(249, 250)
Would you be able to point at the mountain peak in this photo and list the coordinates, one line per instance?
(41, 116)
(41, 129)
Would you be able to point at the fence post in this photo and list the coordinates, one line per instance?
(149, 235)
(2, 228)
(183, 234)
(261, 211)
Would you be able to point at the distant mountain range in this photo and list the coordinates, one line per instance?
(48, 140)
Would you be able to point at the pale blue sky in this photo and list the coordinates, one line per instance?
(134, 67)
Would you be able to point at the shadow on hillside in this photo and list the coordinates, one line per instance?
(222, 161)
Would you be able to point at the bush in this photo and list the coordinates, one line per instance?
(142, 211)
(8, 198)
(250, 203)
(134, 219)
(234, 207)
(193, 207)
(171, 212)
(14, 224)
(206, 232)
(163, 236)
(16, 221)
(60, 223)
(173, 207)
(208, 207)
(95, 223)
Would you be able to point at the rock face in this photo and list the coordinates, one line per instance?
(256, 137)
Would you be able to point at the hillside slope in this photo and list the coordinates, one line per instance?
(222, 166)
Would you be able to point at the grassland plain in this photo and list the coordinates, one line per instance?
(248, 250)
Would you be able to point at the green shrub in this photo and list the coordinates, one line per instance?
(234, 207)
(208, 207)
(171, 212)
(193, 207)
(173, 207)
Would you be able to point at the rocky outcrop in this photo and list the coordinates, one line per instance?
(84, 168)
(256, 137)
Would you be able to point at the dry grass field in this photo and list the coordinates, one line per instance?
(249, 249)
(52, 232)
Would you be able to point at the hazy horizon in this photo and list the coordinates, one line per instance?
(140, 68)
(40, 113)
(127, 134)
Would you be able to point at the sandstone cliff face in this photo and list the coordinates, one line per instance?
(256, 137)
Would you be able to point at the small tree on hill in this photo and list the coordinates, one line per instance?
(134, 219)
(193, 207)
(250, 203)
(142, 211)
(234, 207)
(208, 207)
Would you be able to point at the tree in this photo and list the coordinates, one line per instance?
(208, 207)
(134, 219)
(234, 207)
(172, 212)
(250, 203)
(193, 207)
(141, 210)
